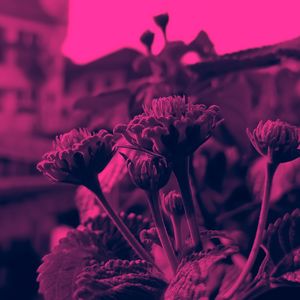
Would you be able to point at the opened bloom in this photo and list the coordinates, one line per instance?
(77, 155)
(172, 126)
(277, 140)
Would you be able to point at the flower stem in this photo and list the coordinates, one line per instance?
(270, 170)
(206, 219)
(176, 224)
(181, 171)
(161, 229)
(94, 186)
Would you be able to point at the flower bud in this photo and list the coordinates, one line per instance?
(148, 172)
(147, 39)
(149, 237)
(162, 21)
(172, 204)
(277, 140)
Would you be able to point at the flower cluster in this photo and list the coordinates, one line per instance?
(111, 256)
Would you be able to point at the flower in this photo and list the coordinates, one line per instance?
(77, 155)
(147, 39)
(148, 172)
(171, 127)
(151, 173)
(162, 21)
(172, 204)
(277, 140)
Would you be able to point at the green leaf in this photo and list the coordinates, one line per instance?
(97, 241)
(60, 268)
(112, 239)
(119, 280)
(281, 265)
(203, 274)
(282, 240)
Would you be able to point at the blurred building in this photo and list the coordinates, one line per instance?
(108, 76)
(31, 66)
(108, 73)
(31, 82)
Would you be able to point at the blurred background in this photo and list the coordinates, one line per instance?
(60, 69)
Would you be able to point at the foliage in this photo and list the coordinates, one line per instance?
(119, 280)
(95, 261)
(96, 241)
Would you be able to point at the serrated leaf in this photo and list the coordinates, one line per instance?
(97, 240)
(119, 280)
(285, 179)
(202, 275)
(66, 261)
(281, 265)
(112, 239)
(282, 240)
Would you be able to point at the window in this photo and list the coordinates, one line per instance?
(28, 40)
(1, 99)
(108, 82)
(24, 39)
(20, 95)
(24, 101)
(35, 41)
(50, 97)
(2, 34)
(90, 86)
(2, 44)
(34, 95)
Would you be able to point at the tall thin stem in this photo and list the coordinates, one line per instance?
(94, 186)
(181, 171)
(161, 229)
(208, 222)
(176, 224)
(270, 170)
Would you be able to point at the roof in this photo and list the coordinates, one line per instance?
(26, 9)
(247, 59)
(122, 59)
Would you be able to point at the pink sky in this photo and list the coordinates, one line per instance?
(98, 27)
